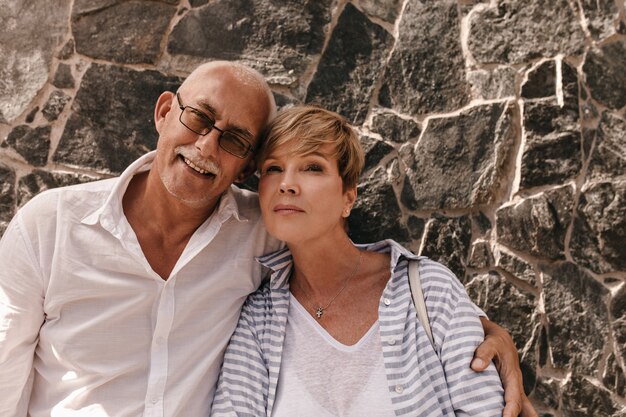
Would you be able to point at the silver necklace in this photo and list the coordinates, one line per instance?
(319, 310)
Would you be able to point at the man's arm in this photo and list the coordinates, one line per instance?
(21, 316)
(499, 347)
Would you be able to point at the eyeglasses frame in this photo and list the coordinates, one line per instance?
(182, 107)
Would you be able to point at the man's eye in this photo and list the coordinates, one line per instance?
(202, 117)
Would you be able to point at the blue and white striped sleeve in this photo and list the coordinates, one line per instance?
(242, 388)
(472, 393)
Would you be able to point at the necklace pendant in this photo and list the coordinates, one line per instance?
(318, 312)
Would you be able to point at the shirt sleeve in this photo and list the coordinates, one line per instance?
(243, 385)
(21, 316)
(471, 393)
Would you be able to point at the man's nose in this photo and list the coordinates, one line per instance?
(207, 145)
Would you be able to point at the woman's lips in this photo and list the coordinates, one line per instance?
(287, 208)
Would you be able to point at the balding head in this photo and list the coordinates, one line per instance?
(243, 75)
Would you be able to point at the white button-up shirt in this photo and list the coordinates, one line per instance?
(87, 328)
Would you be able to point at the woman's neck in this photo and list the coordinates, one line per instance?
(322, 268)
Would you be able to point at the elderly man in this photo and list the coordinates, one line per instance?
(118, 297)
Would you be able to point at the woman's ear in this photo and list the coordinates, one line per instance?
(349, 200)
(163, 106)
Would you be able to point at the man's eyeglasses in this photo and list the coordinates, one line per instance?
(200, 123)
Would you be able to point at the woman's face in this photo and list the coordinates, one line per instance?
(302, 196)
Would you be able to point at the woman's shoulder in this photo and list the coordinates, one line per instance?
(436, 273)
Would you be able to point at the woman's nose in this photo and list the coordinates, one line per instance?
(287, 188)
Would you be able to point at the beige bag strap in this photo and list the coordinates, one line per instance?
(418, 298)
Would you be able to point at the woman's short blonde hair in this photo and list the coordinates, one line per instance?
(306, 128)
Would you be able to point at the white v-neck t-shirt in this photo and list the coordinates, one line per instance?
(321, 377)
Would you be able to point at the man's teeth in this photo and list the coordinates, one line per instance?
(196, 168)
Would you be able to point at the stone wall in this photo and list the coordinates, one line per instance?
(495, 134)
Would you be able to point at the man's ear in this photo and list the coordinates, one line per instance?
(163, 106)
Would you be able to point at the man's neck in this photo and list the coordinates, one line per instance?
(163, 225)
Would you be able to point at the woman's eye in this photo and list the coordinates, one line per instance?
(271, 168)
(314, 168)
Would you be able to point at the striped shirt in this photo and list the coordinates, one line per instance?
(423, 380)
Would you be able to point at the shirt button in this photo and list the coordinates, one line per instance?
(399, 389)
(156, 400)
(391, 341)
(387, 301)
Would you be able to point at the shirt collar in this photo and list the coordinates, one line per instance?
(281, 259)
(111, 211)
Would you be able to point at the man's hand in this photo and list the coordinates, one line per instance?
(499, 347)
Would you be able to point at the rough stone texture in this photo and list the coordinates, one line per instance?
(279, 38)
(460, 161)
(386, 10)
(537, 225)
(55, 105)
(552, 152)
(608, 159)
(515, 266)
(480, 256)
(376, 214)
(618, 313)
(512, 32)
(541, 81)
(121, 31)
(394, 128)
(31, 31)
(514, 310)
(38, 181)
(432, 90)
(426, 73)
(604, 71)
(599, 230)
(63, 77)
(582, 398)
(68, 50)
(492, 84)
(614, 375)
(32, 144)
(416, 227)
(7, 196)
(600, 17)
(104, 131)
(577, 317)
(375, 150)
(447, 240)
(348, 70)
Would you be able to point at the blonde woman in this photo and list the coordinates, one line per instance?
(334, 332)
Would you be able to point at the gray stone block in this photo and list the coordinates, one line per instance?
(599, 231)
(426, 71)
(514, 32)
(33, 144)
(350, 66)
(537, 225)
(121, 31)
(376, 214)
(112, 120)
(577, 317)
(461, 161)
(447, 240)
(604, 71)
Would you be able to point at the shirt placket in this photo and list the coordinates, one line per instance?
(159, 357)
